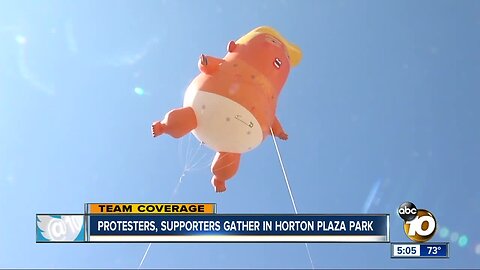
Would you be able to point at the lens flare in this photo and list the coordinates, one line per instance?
(21, 39)
(454, 237)
(139, 91)
(477, 249)
(463, 240)
(444, 231)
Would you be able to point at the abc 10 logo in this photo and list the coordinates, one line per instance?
(419, 224)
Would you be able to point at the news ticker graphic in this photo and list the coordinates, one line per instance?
(420, 250)
(110, 222)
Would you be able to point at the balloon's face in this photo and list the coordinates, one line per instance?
(269, 56)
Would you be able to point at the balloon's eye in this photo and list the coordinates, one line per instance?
(273, 40)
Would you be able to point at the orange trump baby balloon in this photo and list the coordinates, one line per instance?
(230, 106)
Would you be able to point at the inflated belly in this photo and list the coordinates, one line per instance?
(223, 124)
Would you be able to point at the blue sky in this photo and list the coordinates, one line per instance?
(383, 106)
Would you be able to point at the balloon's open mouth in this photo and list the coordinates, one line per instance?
(277, 63)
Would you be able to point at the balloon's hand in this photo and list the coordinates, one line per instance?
(157, 129)
(282, 135)
(278, 130)
(232, 46)
(203, 60)
(209, 64)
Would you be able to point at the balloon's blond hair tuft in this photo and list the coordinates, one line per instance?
(293, 50)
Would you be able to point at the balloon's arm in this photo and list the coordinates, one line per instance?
(278, 130)
(209, 64)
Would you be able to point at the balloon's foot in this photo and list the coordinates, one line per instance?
(218, 186)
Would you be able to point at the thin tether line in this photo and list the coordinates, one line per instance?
(289, 190)
(180, 179)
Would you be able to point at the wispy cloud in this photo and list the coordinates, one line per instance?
(10, 179)
(25, 71)
(129, 59)
(70, 37)
(9, 29)
(371, 196)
